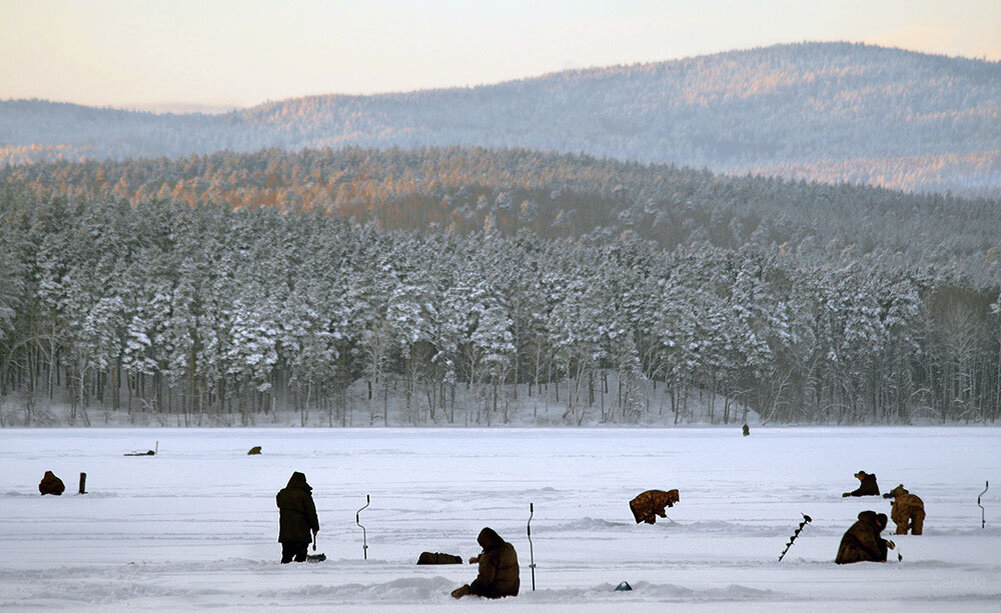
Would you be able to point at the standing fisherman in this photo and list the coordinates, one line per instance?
(297, 517)
(651, 503)
(906, 510)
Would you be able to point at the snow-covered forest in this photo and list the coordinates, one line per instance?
(170, 304)
(460, 190)
(819, 111)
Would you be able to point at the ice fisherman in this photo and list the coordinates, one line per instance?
(907, 510)
(51, 484)
(498, 569)
(868, 486)
(862, 542)
(647, 505)
(297, 521)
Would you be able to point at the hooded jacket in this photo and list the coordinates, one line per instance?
(297, 513)
(652, 503)
(498, 572)
(862, 542)
(868, 487)
(51, 484)
(907, 511)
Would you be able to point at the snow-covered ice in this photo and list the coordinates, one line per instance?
(195, 526)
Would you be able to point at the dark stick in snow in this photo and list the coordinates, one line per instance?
(983, 522)
(531, 552)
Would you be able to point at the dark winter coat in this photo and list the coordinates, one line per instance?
(862, 542)
(907, 511)
(651, 503)
(498, 573)
(51, 484)
(297, 513)
(868, 486)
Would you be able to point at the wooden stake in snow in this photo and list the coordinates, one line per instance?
(364, 535)
(83, 483)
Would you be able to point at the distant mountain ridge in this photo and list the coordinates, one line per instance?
(816, 111)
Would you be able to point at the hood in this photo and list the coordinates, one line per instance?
(868, 517)
(881, 520)
(299, 480)
(488, 539)
(874, 520)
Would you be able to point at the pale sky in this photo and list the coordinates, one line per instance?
(243, 52)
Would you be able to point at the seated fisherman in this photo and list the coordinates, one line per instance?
(51, 484)
(862, 542)
(868, 486)
(498, 570)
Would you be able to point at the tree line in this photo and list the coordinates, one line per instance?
(171, 308)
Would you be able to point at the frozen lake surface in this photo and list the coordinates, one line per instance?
(195, 526)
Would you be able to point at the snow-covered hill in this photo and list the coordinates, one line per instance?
(827, 111)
